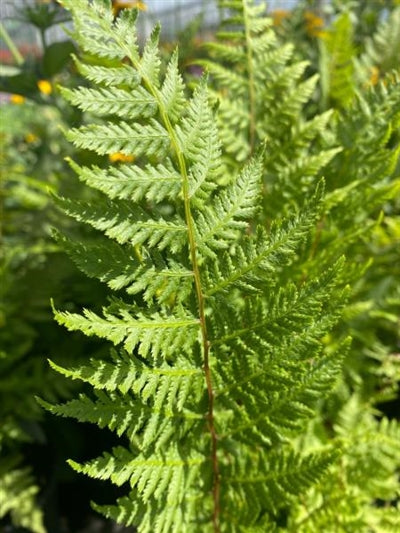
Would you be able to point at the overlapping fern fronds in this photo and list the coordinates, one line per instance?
(218, 357)
(351, 499)
(337, 63)
(381, 49)
(356, 150)
(18, 487)
(261, 91)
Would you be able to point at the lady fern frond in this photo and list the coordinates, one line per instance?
(218, 356)
(262, 90)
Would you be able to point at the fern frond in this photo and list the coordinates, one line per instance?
(381, 48)
(198, 138)
(218, 225)
(121, 268)
(270, 482)
(142, 424)
(155, 334)
(112, 101)
(149, 478)
(288, 311)
(172, 91)
(118, 222)
(260, 93)
(123, 465)
(338, 62)
(136, 140)
(92, 30)
(127, 373)
(18, 497)
(213, 301)
(128, 182)
(249, 49)
(123, 75)
(368, 446)
(248, 266)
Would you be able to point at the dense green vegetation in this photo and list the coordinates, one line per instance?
(231, 225)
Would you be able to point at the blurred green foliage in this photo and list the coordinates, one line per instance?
(351, 45)
(32, 268)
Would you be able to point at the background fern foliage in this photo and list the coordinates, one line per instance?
(232, 302)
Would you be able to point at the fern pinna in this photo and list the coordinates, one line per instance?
(218, 358)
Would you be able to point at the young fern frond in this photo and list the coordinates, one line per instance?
(210, 328)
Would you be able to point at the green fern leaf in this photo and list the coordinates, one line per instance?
(172, 91)
(155, 334)
(221, 321)
(136, 140)
(113, 101)
(220, 223)
(123, 75)
(155, 183)
(117, 222)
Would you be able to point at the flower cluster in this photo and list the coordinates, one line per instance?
(279, 15)
(118, 5)
(314, 24)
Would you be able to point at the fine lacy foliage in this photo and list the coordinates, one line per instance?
(222, 329)
(368, 446)
(337, 63)
(25, 258)
(360, 178)
(357, 149)
(218, 360)
(18, 488)
(261, 91)
(380, 55)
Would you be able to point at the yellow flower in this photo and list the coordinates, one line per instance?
(45, 87)
(31, 138)
(119, 157)
(314, 24)
(374, 75)
(141, 6)
(17, 99)
(118, 5)
(278, 15)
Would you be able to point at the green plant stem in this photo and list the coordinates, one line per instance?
(206, 343)
(43, 42)
(199, 292)
(10, 44)
(203, 324)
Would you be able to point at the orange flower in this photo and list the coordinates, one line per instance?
(119, 157)
(118, 5)
(17, 99)
(45, 87)
(278, 15)
(314, 24)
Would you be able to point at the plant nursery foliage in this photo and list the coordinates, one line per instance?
(220, 324)
(31, 271)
